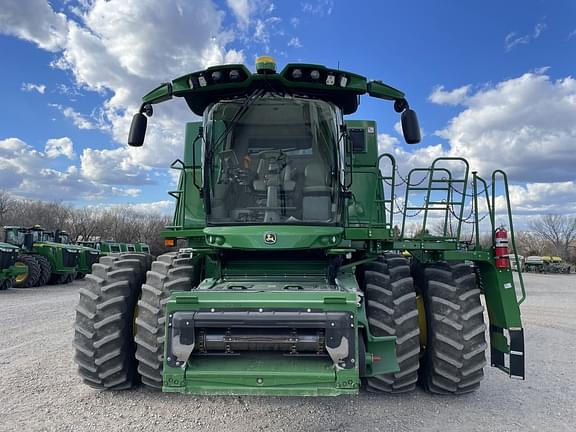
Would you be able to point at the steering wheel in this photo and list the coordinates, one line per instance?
(276, 155)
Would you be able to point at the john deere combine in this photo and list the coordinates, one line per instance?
(291, 282)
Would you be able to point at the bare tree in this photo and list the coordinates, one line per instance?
(559, 230)
(529, 243)
(6, 202)
(117, 223)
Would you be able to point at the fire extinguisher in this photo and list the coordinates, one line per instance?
(501, 248)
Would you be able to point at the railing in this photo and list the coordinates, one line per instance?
(441, 196)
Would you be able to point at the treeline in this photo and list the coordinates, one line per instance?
(122, 224)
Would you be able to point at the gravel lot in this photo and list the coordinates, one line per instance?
(39, 388)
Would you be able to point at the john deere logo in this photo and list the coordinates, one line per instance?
(269, 238)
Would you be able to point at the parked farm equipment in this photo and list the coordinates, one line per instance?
(45, 261)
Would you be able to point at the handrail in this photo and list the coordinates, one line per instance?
(509, 209)
(465, 182)
(392, 179)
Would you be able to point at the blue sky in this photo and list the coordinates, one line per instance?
(492, 81)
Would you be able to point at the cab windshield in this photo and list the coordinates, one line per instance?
(37, 236)
(272, 160)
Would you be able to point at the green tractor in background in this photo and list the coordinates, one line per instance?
(45, 260)
(104, 247)
(142, 247)
(127, 247)
(88, 255)
(9, 270)
(294, 280)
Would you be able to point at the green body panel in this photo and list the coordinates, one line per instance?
(127, 247)
(297, 267)
(11, 272)
(88, 256)
(55, 253)
(273, 237)
(8, 256)
(142, 247)
(257, 374)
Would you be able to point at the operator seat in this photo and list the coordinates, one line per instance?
(316, 194)
(286, 184)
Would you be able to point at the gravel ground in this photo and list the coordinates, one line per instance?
(39, 388)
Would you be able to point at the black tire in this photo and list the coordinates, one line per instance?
(391, 310)
(103, 336)
(80, 275)
(455, 357)
(58, 279)
(45, 269)
(5, 284)
(70, 277)
(169, 273)
(34, 271)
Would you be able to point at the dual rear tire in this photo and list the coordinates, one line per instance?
(452, 358)
(119, 327)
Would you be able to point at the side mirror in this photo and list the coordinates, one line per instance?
(137, 130)
(410, 127)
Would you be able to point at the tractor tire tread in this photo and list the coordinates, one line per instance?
(34, 272)
(392, 311)
(455, 356)
(103, 341)
(168, 273)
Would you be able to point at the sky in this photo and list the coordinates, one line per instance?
(492, 81)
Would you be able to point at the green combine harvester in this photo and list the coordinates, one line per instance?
(9, 270)
(45, 261)
(296, 280)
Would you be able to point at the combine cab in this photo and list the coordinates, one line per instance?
(297, 278)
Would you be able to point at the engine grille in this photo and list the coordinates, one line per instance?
(92, 258)
(7, 258)
(70, 258)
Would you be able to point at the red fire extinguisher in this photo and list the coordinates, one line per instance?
(501, 248)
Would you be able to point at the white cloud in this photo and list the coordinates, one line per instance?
(34, 21)
(241, 9)
(542, 198)
(79, 120)
(26, 172)
(318, 7)
(59, 147)
(453, 97)
(524, 125)
(164, 207)
(29, 87)
(109, 48)
(538, 29)
(572, 34)
(513, 39)
(295, 43)
(112, 167)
